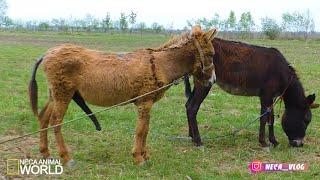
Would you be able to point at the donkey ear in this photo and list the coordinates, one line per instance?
(310, 101)
(311, 98)
(195, 31)
(211, 34)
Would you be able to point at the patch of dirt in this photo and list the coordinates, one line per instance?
(18, 149)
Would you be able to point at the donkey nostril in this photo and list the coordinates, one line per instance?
(296, 143)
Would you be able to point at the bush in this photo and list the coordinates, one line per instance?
(270, 28)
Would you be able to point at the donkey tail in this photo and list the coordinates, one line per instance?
(33, 89)
(187, 86)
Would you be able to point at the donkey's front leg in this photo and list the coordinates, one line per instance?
(272, 138)
(265, 103)
(142, 127)
(193, 104)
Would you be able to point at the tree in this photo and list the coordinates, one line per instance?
(246, 24)
(44, 26)
(232, 21)
(215, 22)
(157, 27)
(298, 22)
(142, 26)
(307, 24)
(270, 28)
(132, 20)
(204, 23)
(3, 11)
(89, 21)
(107, 23)
(288, 22)
(123, 23)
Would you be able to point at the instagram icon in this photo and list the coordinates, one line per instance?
(255, 166)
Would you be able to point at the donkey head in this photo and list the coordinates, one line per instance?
(203, 69)
(296, 120)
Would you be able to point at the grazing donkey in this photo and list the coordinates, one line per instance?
(249, 70)
(106, 79)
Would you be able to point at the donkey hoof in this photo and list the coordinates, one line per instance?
(266, 148)
(201, 148)
(146, 156)
(198, 143)
(274, 144)
(71, 163)
(142, 163)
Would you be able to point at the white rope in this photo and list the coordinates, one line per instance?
(175, 82)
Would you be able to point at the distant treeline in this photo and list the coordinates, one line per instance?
(292, 26)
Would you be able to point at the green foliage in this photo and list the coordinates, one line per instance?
(298, 22)
(107, 23)
(232, 21)
(288, 22)
(157, 28)
(142, 26)
(7, 21)
(246, 23)
(3, 11)
(123, 23)
(270, 28)
(132, 18)
(44, 26)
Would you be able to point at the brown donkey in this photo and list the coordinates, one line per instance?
(106, 79)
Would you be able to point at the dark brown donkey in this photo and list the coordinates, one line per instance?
(248, 70)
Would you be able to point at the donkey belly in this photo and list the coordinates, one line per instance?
(238, 90)
(105, 91)
(101, 98)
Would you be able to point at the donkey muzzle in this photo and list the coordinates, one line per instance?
(213, 78)
(296, 143)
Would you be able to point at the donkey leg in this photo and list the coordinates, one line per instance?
(82, 104)
(265, 103)
(59, 109)
(200, 93)
(187, 105)
(142, 127)
(272, 138)
(44, 117)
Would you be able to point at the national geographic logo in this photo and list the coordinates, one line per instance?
(34, 167)
(13, 167)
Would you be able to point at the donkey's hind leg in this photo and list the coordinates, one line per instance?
(60, 105)
(142, 127)
(44, 117)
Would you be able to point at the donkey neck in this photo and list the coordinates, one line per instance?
(294, 96)
(174, 62)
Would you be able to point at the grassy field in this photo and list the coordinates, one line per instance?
(107, 154)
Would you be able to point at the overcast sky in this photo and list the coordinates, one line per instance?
(165, 12)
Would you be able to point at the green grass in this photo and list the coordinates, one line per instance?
(107, 154)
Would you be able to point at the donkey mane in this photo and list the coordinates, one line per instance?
(174, 42)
